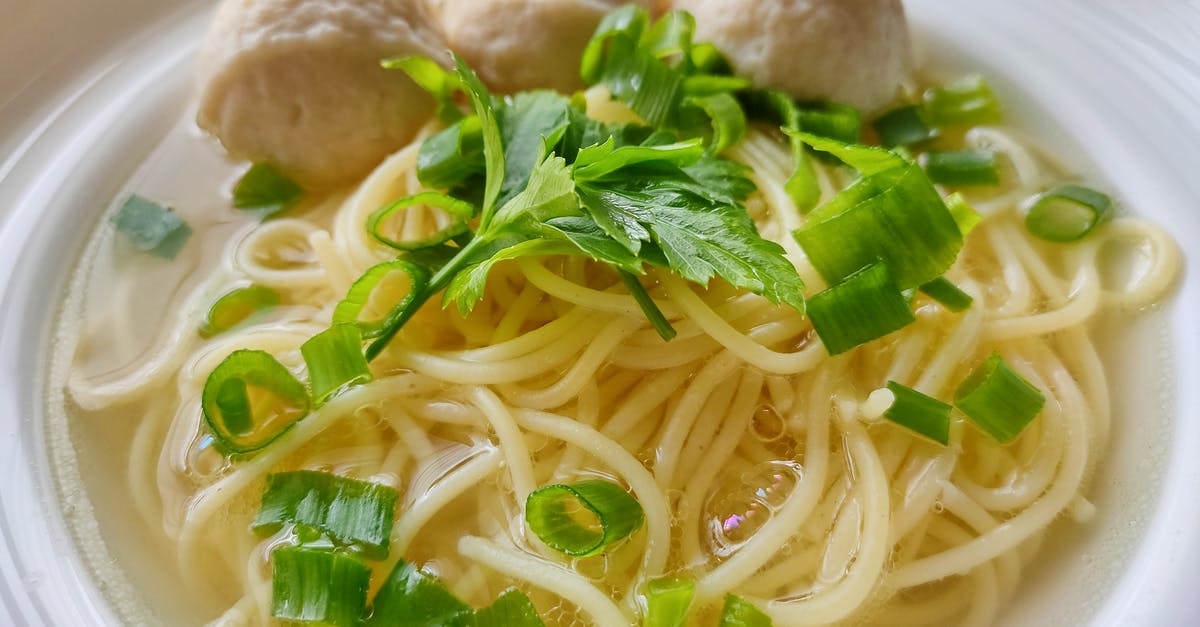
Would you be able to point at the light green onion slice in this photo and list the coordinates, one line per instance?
(630, 20)
(903, 127)
(649, 307)
(948, 294)
(707, 59)
(249, 400)
(439, 82)
(583, 518)
(963, 213)
(151, 227)
(802, 184)
(643, 82)
(265, 191)
(865, 306)
(967, 101)
(351, 512)
(318, 586)
(335, 361)
(451, 155)
(728, 119)
(832, 120)
(511, 609)
(365, 291)
(667, 601)
(238, 306)
(412, 598)
(670, 37)
(1068, 213)
(998, 400)
(739, 612)
(919, 413)
(459, 212)
(962, 167)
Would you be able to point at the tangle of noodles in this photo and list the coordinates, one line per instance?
(762, 463)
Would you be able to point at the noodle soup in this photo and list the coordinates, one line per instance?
(763, 466)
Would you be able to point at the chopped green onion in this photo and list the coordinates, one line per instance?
(998, 400)
(670, 37)
(962, 167)
(151, 227)
(238, 306)
(707, 59)
(511, 609)
(1067, 213)
(318, 586)
(903, 126)
(919, 413)
(440, 83)
(738, 612)
(892, 213)
(412, 598)
(728, 119)
(249, 400)
(266, 191)
(361, 292)
(583, 518)
(630, 21)
(948, 294)
(964, 214)
(451, 155)
(967, 101)
(667, 601)
(459, 211)
(335, 360)
(351, 512)
(647, 85)
(649, 307)
(802, 184)
(832, 120)
(865, 306)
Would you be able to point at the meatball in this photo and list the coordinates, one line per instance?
(516, 45)
(851, 51)
(298, 83)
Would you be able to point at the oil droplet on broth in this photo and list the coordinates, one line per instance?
(738, 506)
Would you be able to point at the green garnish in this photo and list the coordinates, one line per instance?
(511, 609)
(962, 167)
(964, 214)
(318, 586)
(250, 399)
(238, 306)
(359, 297)
(1068, 213)
(919, 413)
(459, 210)
(649, 307)
(443, 85)
(266, 191)
(948, 294)
(998, 400)
(583, 518)
(738, 612)
(904, 126)
(151, 227)
(965, 102)
(335, 361)
(351, 512)
(780, 109)
(667, 601)
(865, 306)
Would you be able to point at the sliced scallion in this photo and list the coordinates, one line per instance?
(903, 127)
(667, 601)
(318, 586)
(238, 306)
(832, 120)
(511, 609)
(964, 214)
(728, 119)
(412, 598)
(335, 360)
(153, 228)
(777, 106)
(948, 294)
(351, 512)
(1068, 213)
(967, 101)
(265, 191)
(738, 612)
(962, 167)
(865, 306)
(365, 290)
(458, 210)
(249, 400)
(919, 413)
(583, 518)
(998, 399)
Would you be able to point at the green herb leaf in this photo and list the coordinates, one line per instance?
(440, 83)
(351, 512)
(265, 191)
(493, 142)
(649, 307)
(151, 227)
(452, 155)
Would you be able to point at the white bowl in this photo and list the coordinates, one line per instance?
(87, 89)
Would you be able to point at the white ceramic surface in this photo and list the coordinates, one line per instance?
(88, 87)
